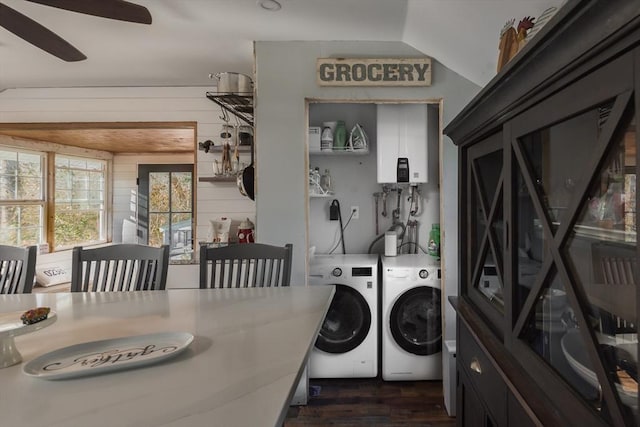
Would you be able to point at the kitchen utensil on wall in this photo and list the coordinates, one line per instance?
(227, 167)
(227, 131)
(233, 83)
(246, 180)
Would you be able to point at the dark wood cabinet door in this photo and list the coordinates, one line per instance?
(484, 227)
(471, 410)
(572, 203)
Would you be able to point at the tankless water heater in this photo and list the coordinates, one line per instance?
(402, 143)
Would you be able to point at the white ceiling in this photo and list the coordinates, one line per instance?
(189, 39)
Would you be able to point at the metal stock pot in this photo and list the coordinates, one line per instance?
(233, 83)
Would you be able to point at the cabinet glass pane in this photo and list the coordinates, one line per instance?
(487, 192)
(530, 242)
(602, 250)
(478, 225)
(596, 257)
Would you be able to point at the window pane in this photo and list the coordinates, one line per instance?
(21, 176)
(8, 186)
(180, 236)
(29, 164)
(20, 225)
(158, 229)
(80, 201)
(29, 188)
(8, 161)
(21, 180)
(181, 192)
(159, 192)
(74, 226)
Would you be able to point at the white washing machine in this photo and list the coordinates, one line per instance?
(347, 344)
(411, 318)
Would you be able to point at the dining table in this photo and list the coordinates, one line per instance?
(247, 350)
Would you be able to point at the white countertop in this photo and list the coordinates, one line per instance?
(250, 348)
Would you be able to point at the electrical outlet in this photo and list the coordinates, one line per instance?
(355, 211)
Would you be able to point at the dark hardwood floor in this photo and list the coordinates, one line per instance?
(372, 402)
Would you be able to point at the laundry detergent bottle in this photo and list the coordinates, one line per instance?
(433, 248)
(340, 136)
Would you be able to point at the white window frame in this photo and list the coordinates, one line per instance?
(49, 151)
(102, 212)
(42, 202)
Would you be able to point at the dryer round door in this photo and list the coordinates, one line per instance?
(347, 322)
(415, 321)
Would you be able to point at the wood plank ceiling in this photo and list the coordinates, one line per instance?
(121, 137)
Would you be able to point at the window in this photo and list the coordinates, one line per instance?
(80, 214)
(22, 197)
(70, 210)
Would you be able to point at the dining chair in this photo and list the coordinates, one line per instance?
(17, 269)
(119, 267)
(245, 265)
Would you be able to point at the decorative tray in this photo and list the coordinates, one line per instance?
(97, 357)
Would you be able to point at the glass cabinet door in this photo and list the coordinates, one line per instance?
(575, 257)
(485, 228)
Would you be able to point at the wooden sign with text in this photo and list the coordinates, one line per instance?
(373, 72)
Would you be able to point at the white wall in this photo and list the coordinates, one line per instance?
(138, 104)
(285, 76)
(459, 34)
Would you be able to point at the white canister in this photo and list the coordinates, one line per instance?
(390, 243)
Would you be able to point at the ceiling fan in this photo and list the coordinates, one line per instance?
(40, 36)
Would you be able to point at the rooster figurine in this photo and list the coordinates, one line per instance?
(523, 29)
(512, 40)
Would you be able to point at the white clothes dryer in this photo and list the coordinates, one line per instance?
(411, 318)
(347, 344)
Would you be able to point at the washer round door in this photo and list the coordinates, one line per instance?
(416, 321)
(347, 322)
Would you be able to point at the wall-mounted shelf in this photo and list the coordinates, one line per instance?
(240, 106)
(222, 178)
(218, 148)
(339, 153)
(321, 196)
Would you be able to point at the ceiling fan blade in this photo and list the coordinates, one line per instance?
(114, 9)
(39, 36)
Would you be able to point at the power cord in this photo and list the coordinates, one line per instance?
(335, 204)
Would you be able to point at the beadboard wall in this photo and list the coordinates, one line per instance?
(139, 104)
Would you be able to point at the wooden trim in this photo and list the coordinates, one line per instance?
(96, 125)
(112, 137)
(194, 218)
(50, 202)
(41, 146)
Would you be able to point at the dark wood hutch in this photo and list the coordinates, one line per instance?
(548, 295)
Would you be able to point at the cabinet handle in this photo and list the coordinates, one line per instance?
(475, 366)
(507, 238)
